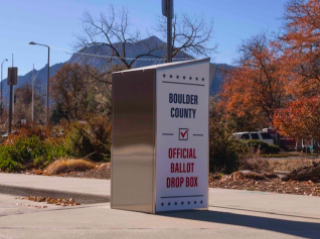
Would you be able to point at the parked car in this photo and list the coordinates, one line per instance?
(263, 136)
(288, 144)
(5, 135)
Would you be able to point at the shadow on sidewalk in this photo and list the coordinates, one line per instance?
(294, 228)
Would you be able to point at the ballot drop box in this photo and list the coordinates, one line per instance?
(160, 142)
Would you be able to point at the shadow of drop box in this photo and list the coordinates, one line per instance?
(160, 141)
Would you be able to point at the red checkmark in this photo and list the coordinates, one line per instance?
(184, 134)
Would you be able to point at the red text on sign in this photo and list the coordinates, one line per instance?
(192, 182)
(175, 182)
(182, 153)
(178, 182)
(182, 167)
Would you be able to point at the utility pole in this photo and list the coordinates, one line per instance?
(48, 84)
(10, 81)
(32, 113)
(11, 99)
(1, 88)
(10, 109)
(12, 93)
(167, 10)
(48, 88)
(169, 31)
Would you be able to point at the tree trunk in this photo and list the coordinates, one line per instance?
(305, 173)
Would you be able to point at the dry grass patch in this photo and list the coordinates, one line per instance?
(68, 165)
(104, 167)
(290, 164)
(249, 175)
(256, 165)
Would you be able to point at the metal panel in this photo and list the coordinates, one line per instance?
(133, 141)
(192, 80)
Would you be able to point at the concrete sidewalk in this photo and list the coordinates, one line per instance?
(82, 189)
(98, 221)
(89, 191)
(231, 214)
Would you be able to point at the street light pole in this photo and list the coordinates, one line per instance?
(169, 29)
(48, 76)
(32, 110)
(1, 86)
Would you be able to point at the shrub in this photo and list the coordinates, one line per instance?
(9, 160)
(90, 139)
(29, 151)
(264, 147)
(274, 149)
(42, 132)
(78, 140)
(101, 131)
(50, 153)
(225, 152)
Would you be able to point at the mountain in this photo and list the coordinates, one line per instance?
(40, 80)
(100, 56)
(218, 78)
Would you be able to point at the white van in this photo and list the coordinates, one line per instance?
(263, 136)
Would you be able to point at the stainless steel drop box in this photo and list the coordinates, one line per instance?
(160, 140)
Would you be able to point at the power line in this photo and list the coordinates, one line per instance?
(149, 58)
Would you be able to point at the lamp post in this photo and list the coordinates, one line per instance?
(1, 85)
(169, 30)
(48, 75)
(32, 107)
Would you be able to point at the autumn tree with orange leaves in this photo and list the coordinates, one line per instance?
(301, 47)
(300, 119)
(301, 67)
(254, 89)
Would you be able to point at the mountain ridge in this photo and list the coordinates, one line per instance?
(100, 56)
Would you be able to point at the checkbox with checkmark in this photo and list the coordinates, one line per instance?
(183, 134)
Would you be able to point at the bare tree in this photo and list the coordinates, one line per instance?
(23, 103)
(69, 90)
(78, 93)
(115, 32)
(103, 76)
(190, 34)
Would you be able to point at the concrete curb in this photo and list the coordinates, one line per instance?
(78, 197)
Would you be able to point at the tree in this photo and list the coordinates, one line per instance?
(71, 87)
(23, 103)
(301, 46)
(115, 33)
(300, 119)
(254, 89)
(80, 91)
(100, 98)
(190, 35)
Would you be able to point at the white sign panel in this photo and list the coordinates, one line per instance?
(182, 142)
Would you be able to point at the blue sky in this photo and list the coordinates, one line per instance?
(56, 22)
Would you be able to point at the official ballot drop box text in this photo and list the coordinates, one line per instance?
(160, 142)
